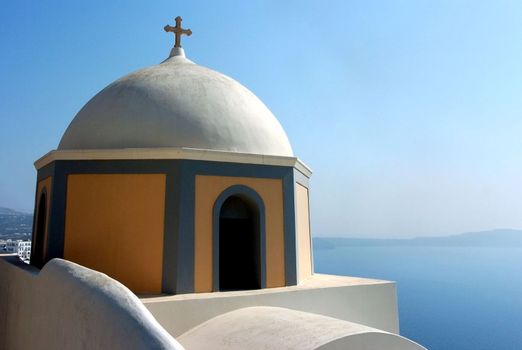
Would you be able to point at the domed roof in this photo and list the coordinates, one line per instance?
(177, 104)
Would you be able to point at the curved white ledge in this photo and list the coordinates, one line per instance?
(280, 328)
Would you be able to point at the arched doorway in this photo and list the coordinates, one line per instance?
(240, 244)
(38, 254)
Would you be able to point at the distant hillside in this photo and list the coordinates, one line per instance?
(7, 211)
(15, 224)
(493, 238)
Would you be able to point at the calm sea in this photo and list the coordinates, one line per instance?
(450, 298)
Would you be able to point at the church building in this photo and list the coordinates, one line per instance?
(176, 179)
(174, 215)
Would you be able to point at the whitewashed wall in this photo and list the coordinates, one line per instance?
(67, 306)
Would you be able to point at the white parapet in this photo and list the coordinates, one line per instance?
(68, 306)
(364, 301)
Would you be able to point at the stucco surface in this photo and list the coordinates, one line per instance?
(208, 188)
(67, 306)
(304, 239)
(172, 153)
(284, 329)
(177, 104)
(114, 223)
(365, 301)
(45, 184)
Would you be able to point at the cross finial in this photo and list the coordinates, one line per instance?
(178, 31)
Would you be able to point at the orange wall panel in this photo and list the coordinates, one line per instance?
(304, 251)
(115, 224)
(208, 189)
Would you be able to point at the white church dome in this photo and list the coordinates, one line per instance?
(177, 104)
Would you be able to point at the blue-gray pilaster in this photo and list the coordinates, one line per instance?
(55, 241)
(171, 229)
(290, 229)
(185, 248)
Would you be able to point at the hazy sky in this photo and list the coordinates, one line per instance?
(409, 112)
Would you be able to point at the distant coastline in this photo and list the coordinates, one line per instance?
(15, 224)
(18, 225)
(491, 238)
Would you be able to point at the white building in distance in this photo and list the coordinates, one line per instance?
(19, 247)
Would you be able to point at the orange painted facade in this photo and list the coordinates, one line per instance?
(304, 251)
(115, 224)
(208, 188)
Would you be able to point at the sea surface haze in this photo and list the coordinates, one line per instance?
(450, 297)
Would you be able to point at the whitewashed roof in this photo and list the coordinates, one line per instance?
(177, 104)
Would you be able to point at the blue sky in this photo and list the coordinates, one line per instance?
(409, 112)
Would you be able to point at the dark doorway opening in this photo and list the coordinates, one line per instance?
(239, 245)
(38, 254)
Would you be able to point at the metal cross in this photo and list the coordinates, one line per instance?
(178, 31)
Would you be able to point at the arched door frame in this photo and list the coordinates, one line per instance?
(250, 195)
(39, 242)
